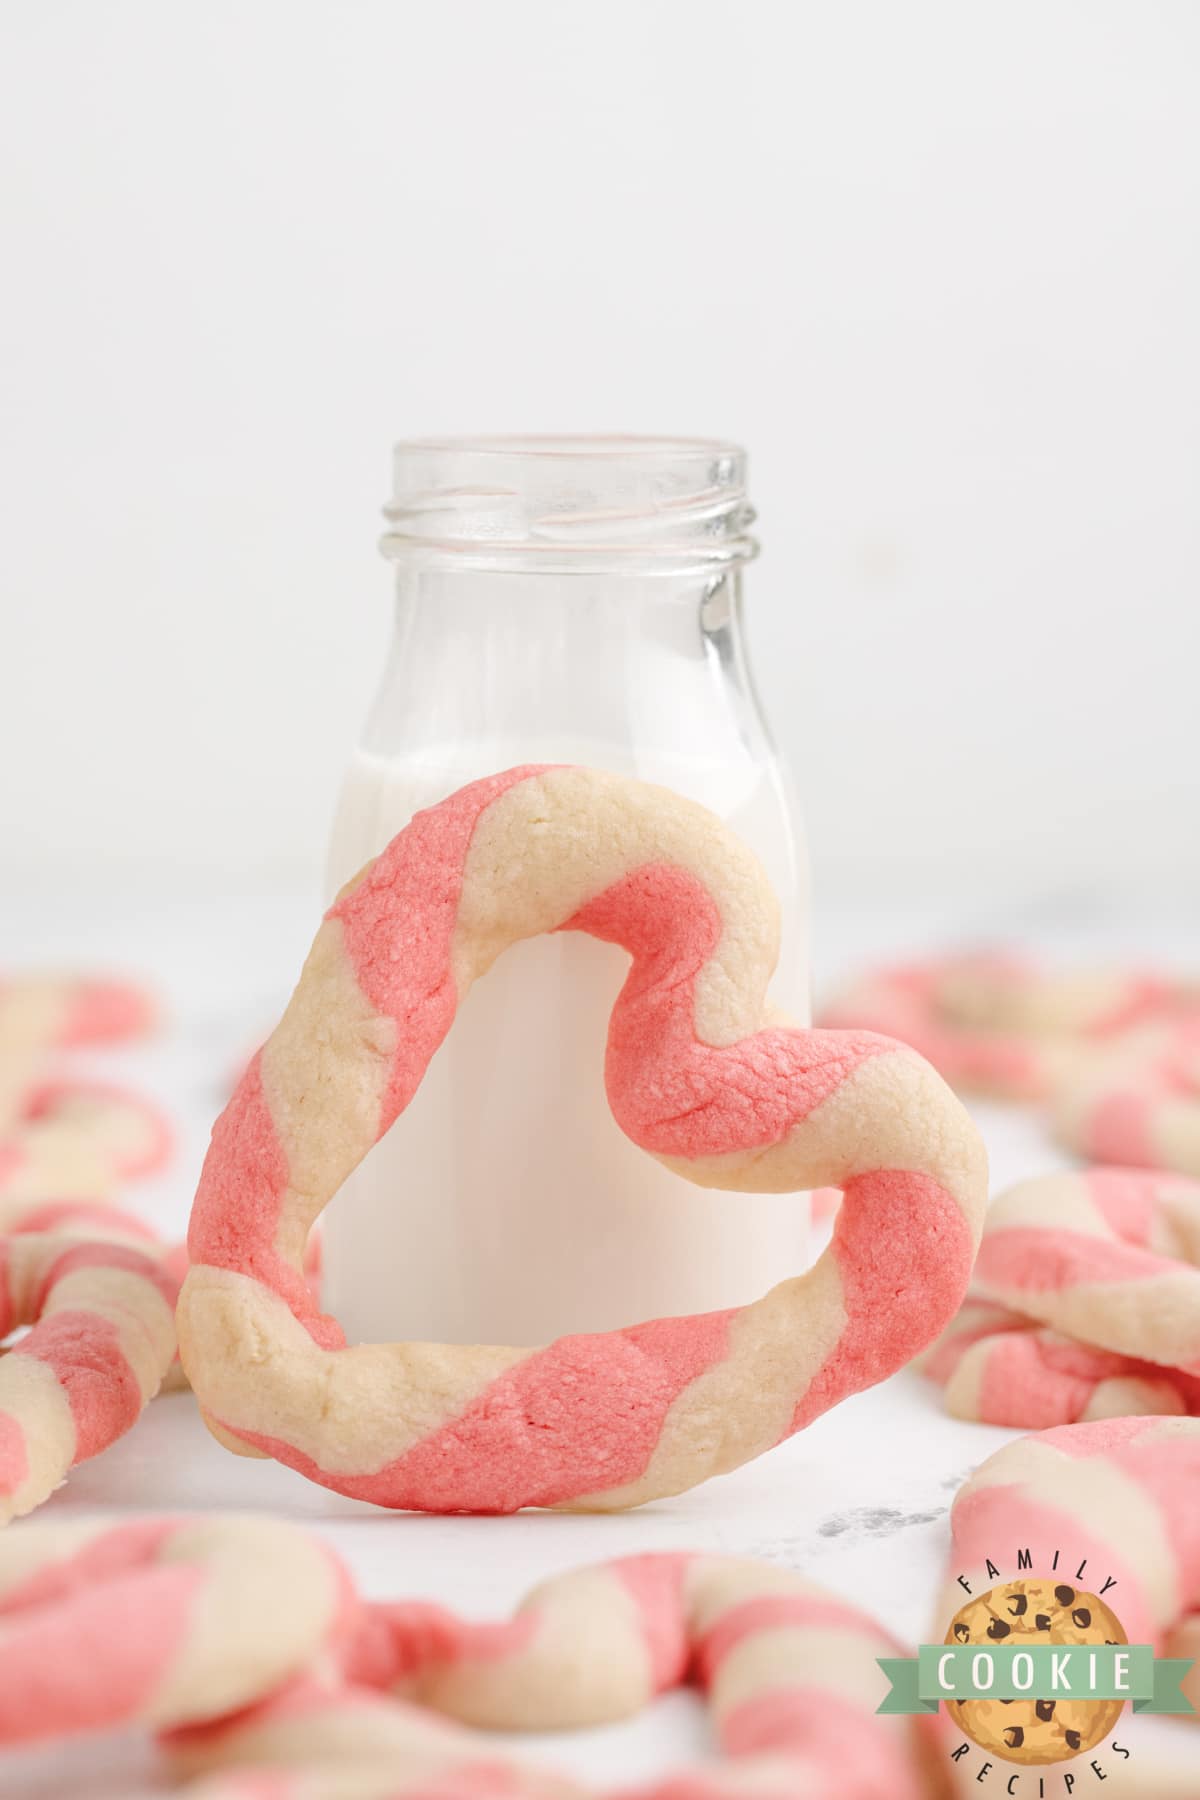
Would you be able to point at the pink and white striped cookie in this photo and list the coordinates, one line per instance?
(1139, 1106)
(1116, 1497)
(790, 1673)
(994, 1024)
(212, 1614)
(1121, 1494)
(1086, 1303)
(78, 1135)
(244, 1641)
(227, 1634)
(316, 1740)
(101, 1302)
(39, 1012)
(694, 1076)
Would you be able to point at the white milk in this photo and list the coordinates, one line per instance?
(505, 1205)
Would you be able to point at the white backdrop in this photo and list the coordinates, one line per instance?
(936, 263)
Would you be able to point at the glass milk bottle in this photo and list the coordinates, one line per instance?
(557, 600)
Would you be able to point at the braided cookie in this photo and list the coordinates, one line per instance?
(100, 1300)
(994, 1025)
(1140, 1105)
(693, 1076)
(40, 1012)
(1118, 1495)
(1090, 1303)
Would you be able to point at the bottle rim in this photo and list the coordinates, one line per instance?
(576, 503)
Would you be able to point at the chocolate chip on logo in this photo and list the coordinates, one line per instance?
(1064, 1595)
(1044, 1710)
(1014, 1737)
(1042, 1622)
(1082, 1617)
(997, 1629)
(1018, 1605)
(1073, 1740)
(962, 1633)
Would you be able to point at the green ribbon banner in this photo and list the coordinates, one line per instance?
(1040, 1672)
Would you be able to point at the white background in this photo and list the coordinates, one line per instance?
(938, 265)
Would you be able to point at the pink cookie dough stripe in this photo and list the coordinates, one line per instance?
(83, 1215)
(84, 1351)
(1008, 1518)
(398, 927)
(988, 1321)
(1035, 1384)
(772, 1612)
(899, 1236)
(68, 1670)
(851, 1750)
(14, 1454)
(8, 1311)
(1098, 1438)
(235, 1215)
(1127, 1200)
(106, 1011)
(1120, 1129)
(698, 1100)
(1025, 1259)
(583, 1415)
(1167, 1466)
(111, 1553)
(393, 1642)
(258, 1784)
(655, 1584)
(1145, 997)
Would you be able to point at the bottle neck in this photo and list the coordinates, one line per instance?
(570, 600)
(565, 667)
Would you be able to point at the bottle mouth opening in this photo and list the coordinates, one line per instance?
(667, 504)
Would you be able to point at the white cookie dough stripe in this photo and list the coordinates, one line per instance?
(548, 845)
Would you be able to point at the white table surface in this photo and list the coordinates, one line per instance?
(858, 1501)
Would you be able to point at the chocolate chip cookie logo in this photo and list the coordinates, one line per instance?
(1019, 1616)
(1035, 1671)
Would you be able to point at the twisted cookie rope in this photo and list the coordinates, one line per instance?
(316, 1741)
(245, 1642)
(1088, 1303)
(693, 1076)
(994, 1025)
(789, 1671)
(100, 1299)
(73, 1136)
(1122, 1494)
(215, 1613)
